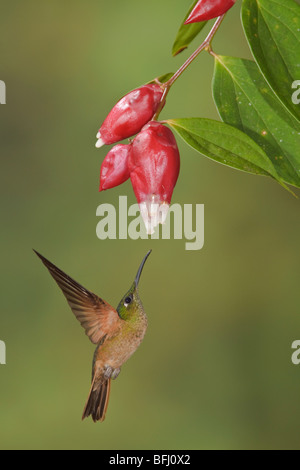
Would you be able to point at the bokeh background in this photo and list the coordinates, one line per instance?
(215, 370)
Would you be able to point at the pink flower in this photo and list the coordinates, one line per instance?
(154, 165)
(130, 114)
(114, 169)
(207, 9)
(152, 161)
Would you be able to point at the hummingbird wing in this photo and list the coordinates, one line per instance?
(99, 319)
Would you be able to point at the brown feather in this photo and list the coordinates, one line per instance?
(97, 402)
(97, 317)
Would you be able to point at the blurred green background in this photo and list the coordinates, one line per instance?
(214, 370)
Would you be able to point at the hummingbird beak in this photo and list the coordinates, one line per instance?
(138, 276)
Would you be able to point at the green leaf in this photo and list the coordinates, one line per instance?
(272, 28)
(187, 33)
(245, 100)
(224, 144)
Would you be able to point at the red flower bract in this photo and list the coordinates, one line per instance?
(208, 9)
(114, 169)
(130, 114)
(154, 165)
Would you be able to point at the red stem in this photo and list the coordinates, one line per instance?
(206, 45)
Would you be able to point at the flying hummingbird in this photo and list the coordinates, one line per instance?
(117, 333)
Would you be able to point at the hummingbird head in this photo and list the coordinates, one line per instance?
(131, 302)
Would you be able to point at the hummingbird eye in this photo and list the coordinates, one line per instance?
(128, 301)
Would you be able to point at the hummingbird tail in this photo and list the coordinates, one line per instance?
(97, 402)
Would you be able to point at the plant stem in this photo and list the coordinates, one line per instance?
(206, 45)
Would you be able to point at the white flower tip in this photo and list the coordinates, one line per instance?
(99, 142)
(164, 210)
(146, 218)
(153, 213)
(98, 135)
(149, 229)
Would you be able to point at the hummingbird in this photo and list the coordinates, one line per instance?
(117, 333)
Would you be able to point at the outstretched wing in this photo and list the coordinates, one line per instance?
(97, 317)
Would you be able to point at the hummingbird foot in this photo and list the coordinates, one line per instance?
(108, 370)
(115, 374)
(110, 373)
